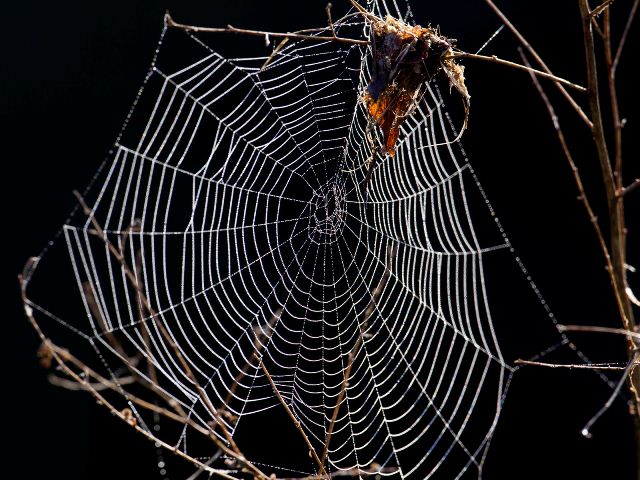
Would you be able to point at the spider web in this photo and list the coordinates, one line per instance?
(236, 193)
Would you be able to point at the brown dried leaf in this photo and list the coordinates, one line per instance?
(405, 59)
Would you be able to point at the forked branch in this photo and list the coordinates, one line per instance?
(62, 357)
(582, 194)
(294, 419)
(144, 301)
(306, 35)
(626, 190)
(375, 295)
(523, 41)
(298, 35)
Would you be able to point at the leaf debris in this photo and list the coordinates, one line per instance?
(405, 59)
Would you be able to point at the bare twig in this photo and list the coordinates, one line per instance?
(374, 470)
(615, 253)
(144, 328)
(597, 27)
(302, 35)
(538, 59)
(258, 346)
(589, 328)
(129, 362)
(147, 305)
(582, 195)
(330, 20)
(375, 295)
(259, 33)
(276, 50)
(571, 366)
(616, 214)
(630, 188)
(363, 11)
(616, 210)
(296, 422)
(586, 431)
(87, 290)
(97, 386)
(613, 97)
(601, 8)
(517, 66)
(144, 301)
(101, 383)
(625, 34)
(61, 356)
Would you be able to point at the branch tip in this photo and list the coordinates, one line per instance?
(168, 20)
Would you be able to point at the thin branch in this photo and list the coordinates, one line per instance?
(275, 51)
(145, 302)
(284, 41)
(330, 20)
(63, 357)
(626, 190)
(615, 110)
(198, 472)
(296, 422)
(586, 431)
(60, 356)
(129, 362)
(375, 470)
(618, 201)
(615, 203)
(259, 33)
(582, 195)
(363, 11)
(632, 297)
(299, 35)
(616, 214)
(356, 348)
(625, 34)
(101, 383)
(87, 290)
(601, 8)
(571, 366)
(594, 101)
(258, 346)
(97, 386)
(133, 280)
(144, 327)
(588, 328)
(538, 59)
(517, 66)
(596, 26)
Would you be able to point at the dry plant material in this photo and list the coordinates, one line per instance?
(127, 414)
(405, 59)
(45, 355)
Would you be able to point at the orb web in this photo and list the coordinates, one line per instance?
(236, 196)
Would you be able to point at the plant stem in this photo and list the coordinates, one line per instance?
(537, 58)
(259, 33)
(615, 203)
(518, 66)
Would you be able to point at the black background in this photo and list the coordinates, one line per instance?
(70, 72)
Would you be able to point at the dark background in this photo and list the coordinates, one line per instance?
(70, 72)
